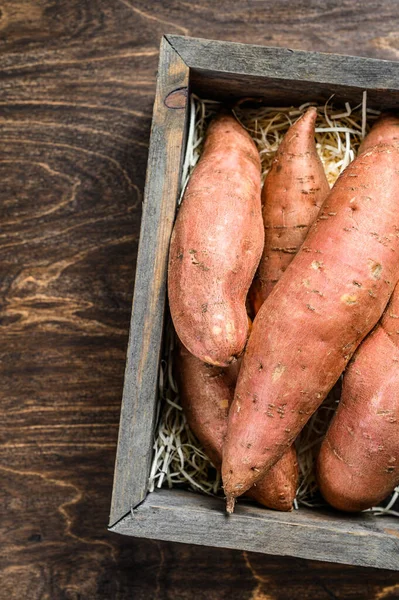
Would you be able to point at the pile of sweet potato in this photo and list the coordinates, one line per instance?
(316, 270)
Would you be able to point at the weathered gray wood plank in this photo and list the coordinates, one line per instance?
(281, 75)
(285, 63)
(143, 354)
(181, 516)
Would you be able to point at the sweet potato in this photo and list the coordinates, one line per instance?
(277, 489)
(293, 192)
(216, 245)
(385, 130)
(206, 393)
(331, 295)
(292, 195)
(358, 464)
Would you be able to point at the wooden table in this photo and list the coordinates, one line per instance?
(76, 93)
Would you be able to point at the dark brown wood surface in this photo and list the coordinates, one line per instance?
(76, 93)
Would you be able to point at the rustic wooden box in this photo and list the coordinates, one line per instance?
(224, 71)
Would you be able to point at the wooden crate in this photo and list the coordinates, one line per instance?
(226, 71)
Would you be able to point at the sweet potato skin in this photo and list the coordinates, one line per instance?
(331, 295)
(358, 464)
(206, 393)
(216, 245)
(277, 489)
(293, 192)
(384, 131)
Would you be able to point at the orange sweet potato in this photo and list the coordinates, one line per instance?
(216, 245)
(292, 195)
(385, 130)
(277, 489)
(293, 192)
(206, 393)
(358, 464)
(331, 295)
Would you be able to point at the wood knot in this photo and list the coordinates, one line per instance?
(177, 98)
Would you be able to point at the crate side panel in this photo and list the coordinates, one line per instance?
(286, 64)
(181, 516)
(227, 70)
(279, 92)
(144, 346)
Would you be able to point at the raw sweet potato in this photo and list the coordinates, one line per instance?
(277, 489)
(358, 464)
(292, 195)
(206, 393)
(293, 192)
(385, 130)
(216, 245)
(331, 295)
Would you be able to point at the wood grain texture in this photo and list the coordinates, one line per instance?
(281, 76)
(183, 517)
(138, 411)
(76, 95)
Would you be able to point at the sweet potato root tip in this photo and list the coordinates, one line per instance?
(230, 503)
